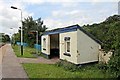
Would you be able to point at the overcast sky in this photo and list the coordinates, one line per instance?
(55, 13)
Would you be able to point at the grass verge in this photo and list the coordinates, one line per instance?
(53, 71)
(26, 51)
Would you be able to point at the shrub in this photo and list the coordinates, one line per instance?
(33, 52)
(114, 64)
(67, 65)
(102, 66)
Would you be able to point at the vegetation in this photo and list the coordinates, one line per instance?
(67, 65)
(15, 38)
(27, 52)
(4, 38)
(30, 27)
(53, 71)
(114, 64)
(108, 32)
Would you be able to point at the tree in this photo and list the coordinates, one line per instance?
(7, 38)
(30, 26)
(4, 37)
(16, 38)
(113, 65)
(40, 28)
(108, 32)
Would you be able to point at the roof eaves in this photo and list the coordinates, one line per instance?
(61, 30)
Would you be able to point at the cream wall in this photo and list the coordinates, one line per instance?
(73, 46)
(88, 49)
(83, 49)
(47, 51)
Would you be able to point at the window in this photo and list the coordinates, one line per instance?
(67, 46)
(44, 44)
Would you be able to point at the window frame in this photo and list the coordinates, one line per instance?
(44, 43)
(66, 45)
(66, 40)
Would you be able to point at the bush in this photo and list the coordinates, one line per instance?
(102, 66)
(114, 64)
(67, 65)
(112, 67)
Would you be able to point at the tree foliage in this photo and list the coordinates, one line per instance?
(108, 32)
(16, 38)
(30, 26)
(4, 37)
(114, 64)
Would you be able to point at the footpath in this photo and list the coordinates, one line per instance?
(11, 68)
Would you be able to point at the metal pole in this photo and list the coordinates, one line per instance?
(36, 41)
(36, 37)
(21, 29)
(21, 34)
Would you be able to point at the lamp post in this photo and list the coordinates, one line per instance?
(21, 29)
(36, 36)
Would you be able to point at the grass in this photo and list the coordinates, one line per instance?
(52, 71)
(27, 51)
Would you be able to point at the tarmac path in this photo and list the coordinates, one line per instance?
(11, 68)
(2, 50)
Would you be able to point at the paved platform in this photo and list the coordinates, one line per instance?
(11, 68)
(2, 50)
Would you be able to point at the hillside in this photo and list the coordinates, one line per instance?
(108, 32)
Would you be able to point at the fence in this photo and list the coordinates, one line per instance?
(19, 43)
(37, 46)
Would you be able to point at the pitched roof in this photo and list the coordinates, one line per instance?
(69, 29)
(61, 30)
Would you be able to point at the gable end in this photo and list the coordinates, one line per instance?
(90, 35)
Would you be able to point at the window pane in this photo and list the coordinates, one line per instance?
(68, 46)
(44, 43)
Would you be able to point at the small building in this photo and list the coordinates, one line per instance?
(71, 43)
